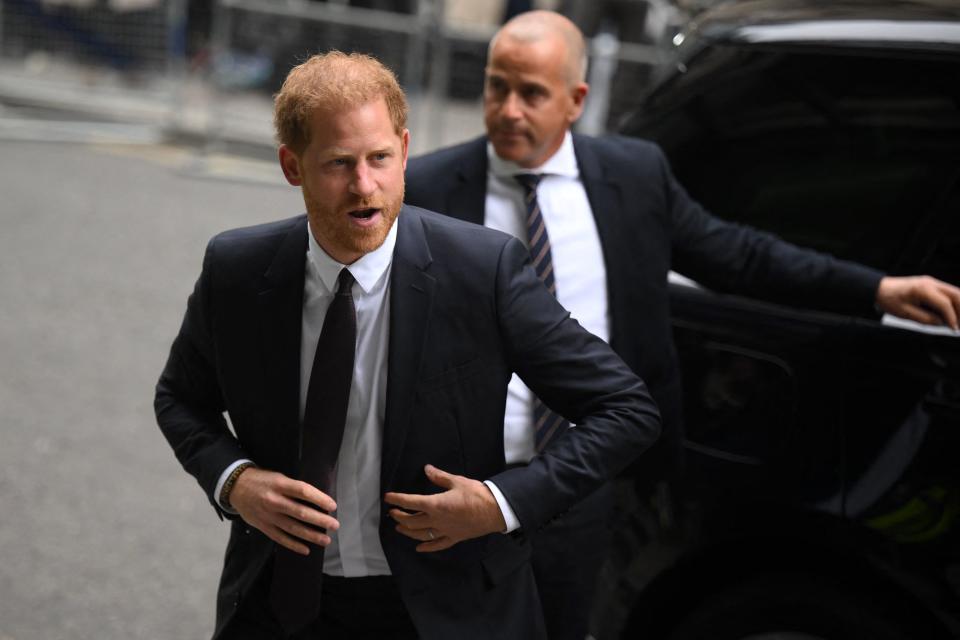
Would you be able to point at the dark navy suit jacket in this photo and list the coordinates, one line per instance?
(649, 225)
(466, 310)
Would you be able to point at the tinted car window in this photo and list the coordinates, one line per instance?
(856, 154)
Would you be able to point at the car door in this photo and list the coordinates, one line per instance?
(855, 153)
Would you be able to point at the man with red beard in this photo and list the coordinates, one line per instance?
(362, 352)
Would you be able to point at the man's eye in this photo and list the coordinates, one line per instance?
(496, 86)
(533, 93)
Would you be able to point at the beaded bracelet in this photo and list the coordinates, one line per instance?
(231, 480)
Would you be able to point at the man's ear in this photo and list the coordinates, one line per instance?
(578, 93)
(290, 163)
(405, 140)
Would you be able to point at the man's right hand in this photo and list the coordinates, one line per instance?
(270, 501)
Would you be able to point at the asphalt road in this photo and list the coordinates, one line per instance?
(102, 534)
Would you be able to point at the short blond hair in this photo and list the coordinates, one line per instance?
(333, 81)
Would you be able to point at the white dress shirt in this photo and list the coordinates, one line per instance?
(355, 549)
(578, 265)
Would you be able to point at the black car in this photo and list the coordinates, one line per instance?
(821, 498)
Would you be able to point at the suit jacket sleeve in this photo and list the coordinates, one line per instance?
(735, 258)
(578, 376)
(188, 401)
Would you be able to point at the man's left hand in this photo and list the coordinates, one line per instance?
(467, 509)
(920, 298)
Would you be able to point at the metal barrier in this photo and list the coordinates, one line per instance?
(255, 44)
(130, 61)
(99, 59)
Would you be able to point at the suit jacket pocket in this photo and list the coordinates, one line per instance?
(450, 375)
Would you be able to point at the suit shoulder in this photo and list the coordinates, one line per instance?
(252, 246)
(624, 148)
(440, 159)
(259, 232)
(458, 234)
(424, 172)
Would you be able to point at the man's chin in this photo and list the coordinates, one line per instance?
(511, 148)
(339, 232)
(367, 239)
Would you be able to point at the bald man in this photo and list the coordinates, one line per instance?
(615, 222)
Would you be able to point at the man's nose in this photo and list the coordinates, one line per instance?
(363, 183)
(511, 107)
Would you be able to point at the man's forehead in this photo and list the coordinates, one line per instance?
(354, 131)
(534, 57)
(369, 117)
(518, 77)
(359, 141)
(526, 71)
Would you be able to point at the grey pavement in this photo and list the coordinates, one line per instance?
(102, 534)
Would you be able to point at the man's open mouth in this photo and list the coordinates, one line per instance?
(363, 213)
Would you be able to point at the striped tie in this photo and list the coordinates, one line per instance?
(546, 423)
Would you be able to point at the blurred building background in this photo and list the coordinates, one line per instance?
(204, 70)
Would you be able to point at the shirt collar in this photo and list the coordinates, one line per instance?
(561, 163)
(367, 270)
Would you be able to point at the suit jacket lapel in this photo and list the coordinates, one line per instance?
(411, 298)
(467, 197)
(280, 313)
(605, 194)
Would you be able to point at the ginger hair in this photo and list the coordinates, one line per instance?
(329, 82)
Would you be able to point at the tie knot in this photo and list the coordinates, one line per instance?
(528, 181)
(345, 283)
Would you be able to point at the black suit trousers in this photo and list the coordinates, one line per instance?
(351, 609)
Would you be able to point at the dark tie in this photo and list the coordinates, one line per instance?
(546, 424)
(295, 590)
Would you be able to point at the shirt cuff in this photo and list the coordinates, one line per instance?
(508, 515)
(223, 478)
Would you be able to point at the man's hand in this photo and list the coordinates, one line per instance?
(920, 298)
(275, 504)
(465, 510)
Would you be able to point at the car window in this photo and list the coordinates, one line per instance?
(856, 154)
